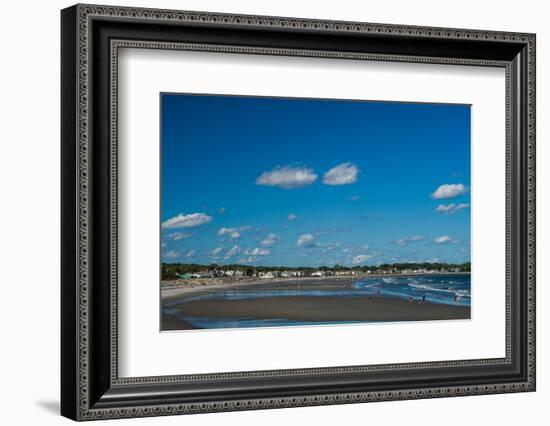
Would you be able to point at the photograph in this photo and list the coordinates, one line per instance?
(280, 212)
(264, 208)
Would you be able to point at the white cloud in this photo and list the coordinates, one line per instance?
(223, 231)
(217, 250)
(271, 240)
(451, 208)
(361, 258)
(190, 253)
(176, 236)
(186, 220)
(172, 254)
(449, 190)
(342, 174)
(234, 233)
(292, 217)
(257, 252)
(355, 198)
(443, 239)
(404, 241)
(306, 240)
(287, 177)
(232, 251)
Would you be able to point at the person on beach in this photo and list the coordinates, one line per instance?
(410, 300)
(423, 298)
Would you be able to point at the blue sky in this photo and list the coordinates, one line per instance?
(306, 182)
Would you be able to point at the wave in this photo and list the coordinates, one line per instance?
(457, 292)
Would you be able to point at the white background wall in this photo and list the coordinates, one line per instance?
(29, 213)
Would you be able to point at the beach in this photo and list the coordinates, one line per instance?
(302, 301)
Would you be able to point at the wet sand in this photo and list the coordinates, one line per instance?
(303, 308)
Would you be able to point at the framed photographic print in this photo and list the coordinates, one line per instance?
(263, 212)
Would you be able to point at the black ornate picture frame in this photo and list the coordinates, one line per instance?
(90, 39)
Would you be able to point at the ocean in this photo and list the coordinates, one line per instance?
(446, 289)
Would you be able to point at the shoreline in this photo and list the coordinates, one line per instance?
(176, 291)
(290, 302)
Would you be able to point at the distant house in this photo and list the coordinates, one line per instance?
(233, 273)
(266, 275)
(318, 274)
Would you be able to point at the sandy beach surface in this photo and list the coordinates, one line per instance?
(183, 303)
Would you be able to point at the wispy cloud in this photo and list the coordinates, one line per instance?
(404, 241)
(451, 208)
(287, 177)
(176, 236)
(186, 221)
(190, 253)
(449, 190)
(342, 174)
(292, 217)
(221, 210)
(270, 240)
(330, 231)
(257, 252)
(306, 240)
(444, 239)
(361, 258)
(172, 254)
(217, 250)
(355, 198)
(232, 251)
(328, 246)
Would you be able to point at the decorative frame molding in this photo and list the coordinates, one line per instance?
(91, 388)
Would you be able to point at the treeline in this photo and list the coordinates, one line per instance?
(171, 271)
